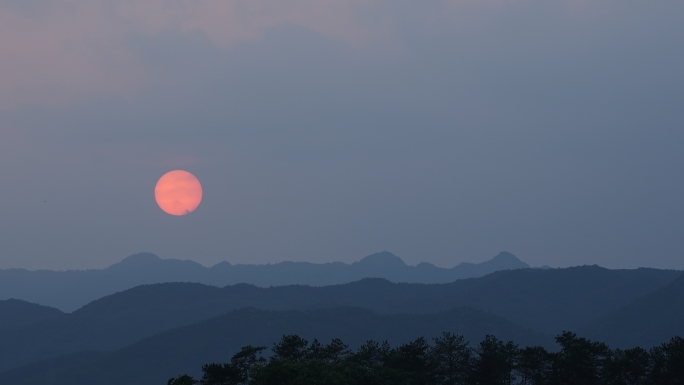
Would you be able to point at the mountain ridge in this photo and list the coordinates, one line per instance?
(546, 301)
(646, 321)
(71, 289)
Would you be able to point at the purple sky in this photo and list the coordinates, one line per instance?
(443, 131)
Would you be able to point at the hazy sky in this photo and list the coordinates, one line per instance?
(443, 131)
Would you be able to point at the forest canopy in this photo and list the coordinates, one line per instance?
(447, 360)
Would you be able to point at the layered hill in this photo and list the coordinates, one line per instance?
(17, 314)
(69, 290)
(184, 350)
(547, 301)
(646, 321)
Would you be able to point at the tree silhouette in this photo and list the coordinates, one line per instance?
(534, 365)
(447, 361)
(291, 348)
(580, 361)
(182, 380)
(237, 372)
(452, 359)
(495, 362)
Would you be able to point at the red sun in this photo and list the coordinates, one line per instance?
(178, 192)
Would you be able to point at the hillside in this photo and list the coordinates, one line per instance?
(155, 359)
(547, 301)
(69, 290)
(646, 321)
(16, 314)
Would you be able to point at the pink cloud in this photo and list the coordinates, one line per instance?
(71, 53)
(74, 50)
(229, 22)
(77, 49)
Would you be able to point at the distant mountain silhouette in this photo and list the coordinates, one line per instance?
(547, 301)
(69, 290)
(155, 359)
(646, 321)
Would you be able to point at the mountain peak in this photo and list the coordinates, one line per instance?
(505, 261)
(137, 260)
(383, 258)
(505, 256)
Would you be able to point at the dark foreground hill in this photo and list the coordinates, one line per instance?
(184, 350)
(547, 301)
(646, 321)
(69, 290)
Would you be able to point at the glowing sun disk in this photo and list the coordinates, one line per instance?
(178, 192)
